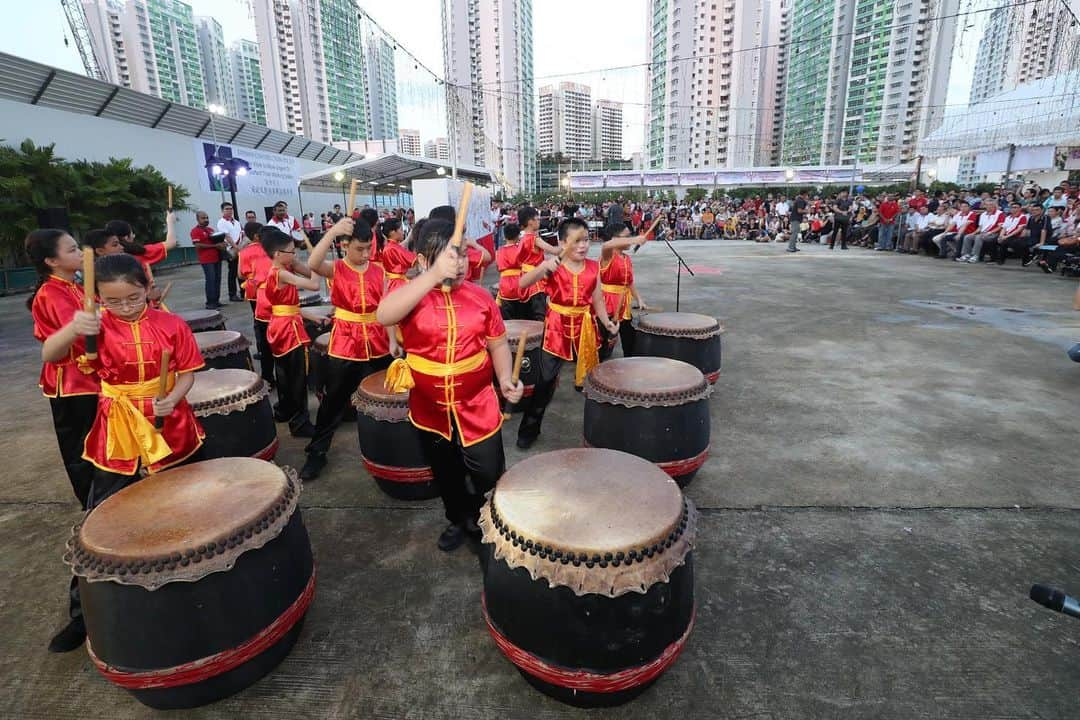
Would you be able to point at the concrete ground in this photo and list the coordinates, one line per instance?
(893, 464)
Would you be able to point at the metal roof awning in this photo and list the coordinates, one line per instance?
(26, 81)
(389, 172)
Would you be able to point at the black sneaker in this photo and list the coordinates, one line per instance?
(1027, 261)
(70, 638)
(451, 537)
(314, 465)
(1046, 267)
(524, 443)
(235, 298)
(307, 430)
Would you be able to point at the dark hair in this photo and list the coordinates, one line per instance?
(569, 224)
(123, 231)
(512, 231)
(361, 231)
(41, 245)
(371, 217)
(225, 205)
(434, 237)
(389, 225)
(413, 240)
(526, 214)
(280, 203)
(96, 239)
(273, 240)
(250, 212)
(443, 212)
(252, 229)
(612, 230)
(120, 268)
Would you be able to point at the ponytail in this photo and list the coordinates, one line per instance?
(41, 245)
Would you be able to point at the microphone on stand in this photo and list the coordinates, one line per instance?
(1055, 599)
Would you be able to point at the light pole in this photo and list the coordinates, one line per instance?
(215, 109)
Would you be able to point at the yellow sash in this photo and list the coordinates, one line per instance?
(623, 290)
(284, 310)
(587, 355)
(130, 435)
(349, 316)
(396, 276)
(512, 272)
(399, 375)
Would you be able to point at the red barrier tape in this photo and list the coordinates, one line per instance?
(398, 474)
(213, 665)
(582, 679)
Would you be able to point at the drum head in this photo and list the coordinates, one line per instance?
(594, 520)
(680, 324)
(214, 343)
(317, 313)
(199, 316)
(184, 523)
(374, 387)
(308, 299)
(224, 391)
(646, 381)
(533, 329)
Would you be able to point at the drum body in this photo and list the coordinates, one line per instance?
(316, 377)
(223, 349)
(234, 409)
(203, 320)
(530, 364)
(591, 599)
(389, 443)
(308, 299)
(689, 337)
(316, 319)
(655, 408)
(194, 581)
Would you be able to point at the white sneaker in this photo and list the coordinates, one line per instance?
(973, 260)
(962, 258)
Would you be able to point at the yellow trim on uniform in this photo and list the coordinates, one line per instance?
(130, 435)
(399, 375)
(587, 355)
(284, 310)
(350, 316)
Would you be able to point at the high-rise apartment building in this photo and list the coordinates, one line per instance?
(437, 149)
(865, 79)
(712, 85)
(565, 120)
(217, 76)
(409, 142)
(163, 52)
(247, 82)
(280, 66)
(488, 56)
(382, 121)
(607, 130)
(104, 21)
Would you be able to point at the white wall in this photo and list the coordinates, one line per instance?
(84, 137)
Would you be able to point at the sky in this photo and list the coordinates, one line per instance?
(604, 34)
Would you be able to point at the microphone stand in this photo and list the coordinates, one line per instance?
(678, 268)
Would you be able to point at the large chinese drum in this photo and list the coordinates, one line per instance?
(224, 349)
(689, 337)
(233, 406)
(203, 320)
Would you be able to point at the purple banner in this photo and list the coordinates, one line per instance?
(661, 179)
(697, 178)
(632, 179)
(585, 182)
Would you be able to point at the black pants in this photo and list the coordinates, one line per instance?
(72, 418)
(1054, 257)
(233, 283)
(842, 228)
(627, 336)
(482, 463)
(537, 307)
(266, 356)
(533, 408)
(341, 380)
(1020, 246)
(291, 372)
(212, 278)
(515, 310)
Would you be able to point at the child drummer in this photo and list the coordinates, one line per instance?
(531, 254)
(574, 298)
(456, 341)
(617, 284)
(359, 345)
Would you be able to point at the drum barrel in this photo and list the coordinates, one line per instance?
(250, 432)
(197, 624)
(704, 354)
(393, 455)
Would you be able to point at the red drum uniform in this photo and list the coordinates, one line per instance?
(286, 331)
(288, 343)
(152, 255)
(511, 298)
(452, 400)
(616, 281)
(123, 437)
(528, 257)
(475, 272)
(569, 334)
(253, 265)
(358, 345)
(72, 391)
(396, 261)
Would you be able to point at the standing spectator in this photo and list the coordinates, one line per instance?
(783, 210)
(234, 240)
(250, 217)
(841, 209)
(887, 212)
(708, 222)
(335, 214)
(208, 248)
(636, 219)
(918, 200)
(798, 217)
(283, 221)
(989, 227)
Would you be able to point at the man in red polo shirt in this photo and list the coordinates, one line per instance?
(209, 251)
(918, 200)
(887, 212)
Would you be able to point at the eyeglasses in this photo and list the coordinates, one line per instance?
(129, 303)
(287, 252)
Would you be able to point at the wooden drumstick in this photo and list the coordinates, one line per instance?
(519, 356)
(165, 292)
(163, 386)
(459, 223)
(352, 196)
(169, 204)
(89, 291)
(651, 228)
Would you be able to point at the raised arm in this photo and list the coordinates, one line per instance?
(317, 260)
(538, 273)
(299, 280)
(170, 230)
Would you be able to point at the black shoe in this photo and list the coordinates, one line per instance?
(791, 250)
(524, 443)
(451, 537)
(235, 298)
(314, 465)
(1046, 267)
(307, 430)
(257, 356)
(1026, 261)
(70, 638)
(1074, 353)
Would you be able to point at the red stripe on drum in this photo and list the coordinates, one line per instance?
(398, 474)
(205, 668)
(712, 377)
(677, 468)
(583, 680)
(268, 452)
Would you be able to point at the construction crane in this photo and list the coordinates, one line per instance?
(80, 30)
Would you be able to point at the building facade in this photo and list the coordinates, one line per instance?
(382, 118)
(279, 63)
(163, 51)
(217, 77)
(437, 149)
(409, 142)
(710, 90)
(247, 82)
(488, 57)
(565, 120)
(607, 130)
(104, 20)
